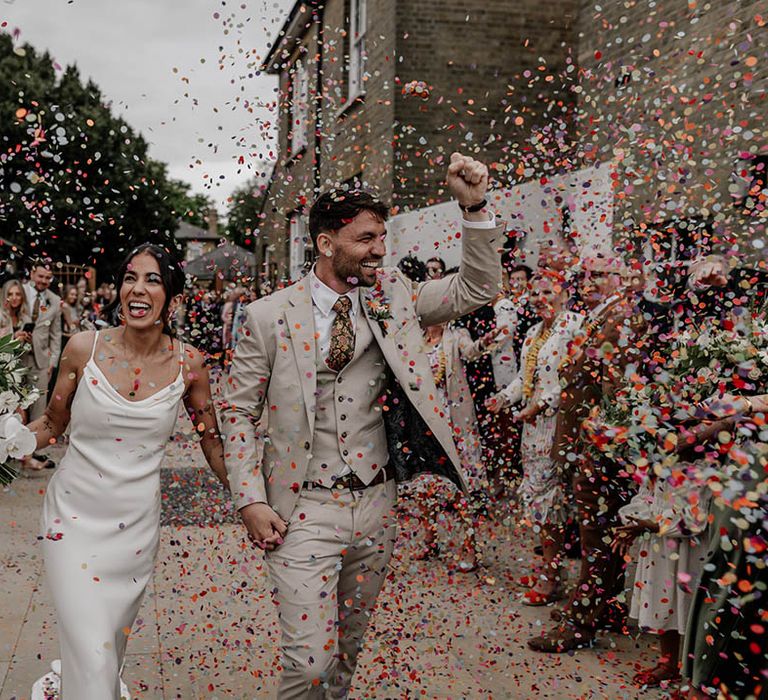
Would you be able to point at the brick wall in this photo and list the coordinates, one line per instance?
(691, 95)
(474, 55)
(357, 136)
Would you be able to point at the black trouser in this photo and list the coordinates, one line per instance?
(599, 492)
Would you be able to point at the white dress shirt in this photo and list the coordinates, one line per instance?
(503, 350)
(551, 355)
(31, 294)
(323, 299)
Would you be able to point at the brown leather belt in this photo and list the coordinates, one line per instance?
(353, 482)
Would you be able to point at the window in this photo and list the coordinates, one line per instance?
(356, 42)
(299, 106)
(299, 247)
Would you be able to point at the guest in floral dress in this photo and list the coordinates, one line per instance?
(542, 489)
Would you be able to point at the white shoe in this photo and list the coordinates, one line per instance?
(49, 686)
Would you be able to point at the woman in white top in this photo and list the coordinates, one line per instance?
(538, 386)
(119, 389)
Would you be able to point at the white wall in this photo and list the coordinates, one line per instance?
(530, 207)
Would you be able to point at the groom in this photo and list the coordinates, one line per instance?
(337, 367)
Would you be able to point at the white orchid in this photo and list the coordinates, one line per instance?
(30, 398)
(9, 401)
(16, 440)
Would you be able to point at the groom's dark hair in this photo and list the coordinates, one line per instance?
(335, 209)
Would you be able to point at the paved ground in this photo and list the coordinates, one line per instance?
(207, 628)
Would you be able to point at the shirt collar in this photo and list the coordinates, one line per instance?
(323, 297)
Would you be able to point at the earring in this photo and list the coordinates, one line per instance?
(119, 313)
(328, 253)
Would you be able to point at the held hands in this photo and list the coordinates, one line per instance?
(495, 403)
(624, 535)
(467, 179)
(23, 336)
(494, 336)
(528, 413)
(265, 527)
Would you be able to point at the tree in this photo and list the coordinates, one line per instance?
(244, 213)
(76, 182)
(192, 208)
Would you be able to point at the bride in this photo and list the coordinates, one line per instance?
(120, 390)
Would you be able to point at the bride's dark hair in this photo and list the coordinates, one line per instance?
(171, 275)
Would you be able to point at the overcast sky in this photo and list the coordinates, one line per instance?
(141, 53)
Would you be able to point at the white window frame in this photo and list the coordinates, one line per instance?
(297, 249)
(299, 112)
(358, 25)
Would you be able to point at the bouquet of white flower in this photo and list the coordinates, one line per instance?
(15, 439)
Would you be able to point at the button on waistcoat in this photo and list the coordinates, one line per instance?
(349, 428)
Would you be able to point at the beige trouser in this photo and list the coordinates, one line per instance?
(326, 576)
(39, 378)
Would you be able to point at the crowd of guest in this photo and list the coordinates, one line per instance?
(556, 344)
(213, 320)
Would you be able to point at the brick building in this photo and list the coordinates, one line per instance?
(673, 94)
(668, 96)
(342, 66)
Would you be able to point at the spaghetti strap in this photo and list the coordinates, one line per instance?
(93, 349)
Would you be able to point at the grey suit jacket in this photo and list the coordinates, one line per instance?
(274, 366)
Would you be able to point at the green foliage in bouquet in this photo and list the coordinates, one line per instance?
(15, 439)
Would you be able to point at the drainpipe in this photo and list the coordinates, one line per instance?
(319, 14)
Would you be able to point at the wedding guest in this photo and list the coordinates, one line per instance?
(413, 268)
(88, 315)
(45, 312)
(447, 349)
(228, 316)
(337, 360)
(70, 313)
(724, 650)
(15, 320)
(593, 369)
(241, 305)
(119, 390)
(514, 314)
(435, 268)
(14, 313)
(82, 290)
(537, 386)
(669, 514)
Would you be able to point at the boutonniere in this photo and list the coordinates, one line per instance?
(377, 305)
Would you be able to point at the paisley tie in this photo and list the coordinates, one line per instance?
(342, 336)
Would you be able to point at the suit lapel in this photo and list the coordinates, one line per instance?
(301, 326)
(417, 381)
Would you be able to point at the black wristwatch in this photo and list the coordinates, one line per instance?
(473, 207)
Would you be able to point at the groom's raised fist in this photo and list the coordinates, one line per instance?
(467, 179)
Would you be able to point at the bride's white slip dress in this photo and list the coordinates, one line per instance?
(100, 526)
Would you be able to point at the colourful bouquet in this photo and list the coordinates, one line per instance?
(16, 440)
(638, 427)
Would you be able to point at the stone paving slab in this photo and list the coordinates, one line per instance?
(208, 628)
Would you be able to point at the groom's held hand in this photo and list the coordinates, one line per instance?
(265, 527)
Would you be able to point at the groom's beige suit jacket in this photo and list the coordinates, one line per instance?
(272, 382)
